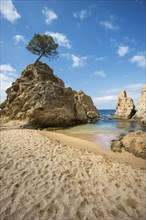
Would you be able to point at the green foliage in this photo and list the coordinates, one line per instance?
(114, 149)
(116, 146)
(43, 45)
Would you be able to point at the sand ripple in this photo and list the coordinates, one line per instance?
(42, 179)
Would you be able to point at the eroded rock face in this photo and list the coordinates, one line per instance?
(40, 99)
(141, 107)
(125, 107)
(85, 106)
(133, 142)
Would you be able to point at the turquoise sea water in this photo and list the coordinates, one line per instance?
(108, 124)
(105, 129)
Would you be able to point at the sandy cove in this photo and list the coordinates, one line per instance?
(83, 141)
(43, 178)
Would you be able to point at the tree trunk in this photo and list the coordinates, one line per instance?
(38, 58)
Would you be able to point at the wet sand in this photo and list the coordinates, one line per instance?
(100, 138)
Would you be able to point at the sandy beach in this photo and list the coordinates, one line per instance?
(43, 178)
(85, 142)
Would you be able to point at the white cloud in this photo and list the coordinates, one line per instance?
(7, 76)
(134, 86)
(60, 38)
(129, 40)
(9, 11)
(5, 82)
(139, 59)
(99, 58)
(6, 68)
(122, 50)
(100, 73)
(81, 14)
(66, 55)
(78, 61)
(129, 88)
(114, 90)
(50, 15)
(103, 99)
(108, 25)
(61, 69)
(18, 39)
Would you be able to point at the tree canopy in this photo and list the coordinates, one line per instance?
(43, 45)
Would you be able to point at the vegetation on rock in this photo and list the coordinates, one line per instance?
(42, 45)
(116, 146)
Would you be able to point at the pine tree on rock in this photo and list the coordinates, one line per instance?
(42, 45)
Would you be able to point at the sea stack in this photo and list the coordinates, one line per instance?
(39, 99)
(125, 108)
(141, 108)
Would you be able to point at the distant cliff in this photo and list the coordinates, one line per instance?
(125, 108)
(39, 99)
(141, 107)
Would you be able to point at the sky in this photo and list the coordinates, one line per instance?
(102, 48)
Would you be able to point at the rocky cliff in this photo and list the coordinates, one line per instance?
(133, 142)
(125, 107)
(40, 99)
(141, 107)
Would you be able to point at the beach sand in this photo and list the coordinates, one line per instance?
(84, 141)
(43, 178)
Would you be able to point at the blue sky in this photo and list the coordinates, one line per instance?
(101, 44)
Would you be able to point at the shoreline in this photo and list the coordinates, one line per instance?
(83, 141)
(82, 144)
(102, 138)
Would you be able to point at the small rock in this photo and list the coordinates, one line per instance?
(116, 146)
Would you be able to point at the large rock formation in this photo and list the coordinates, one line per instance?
(141, 107)
(133, 142)
(125, 108)
(40, 99)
